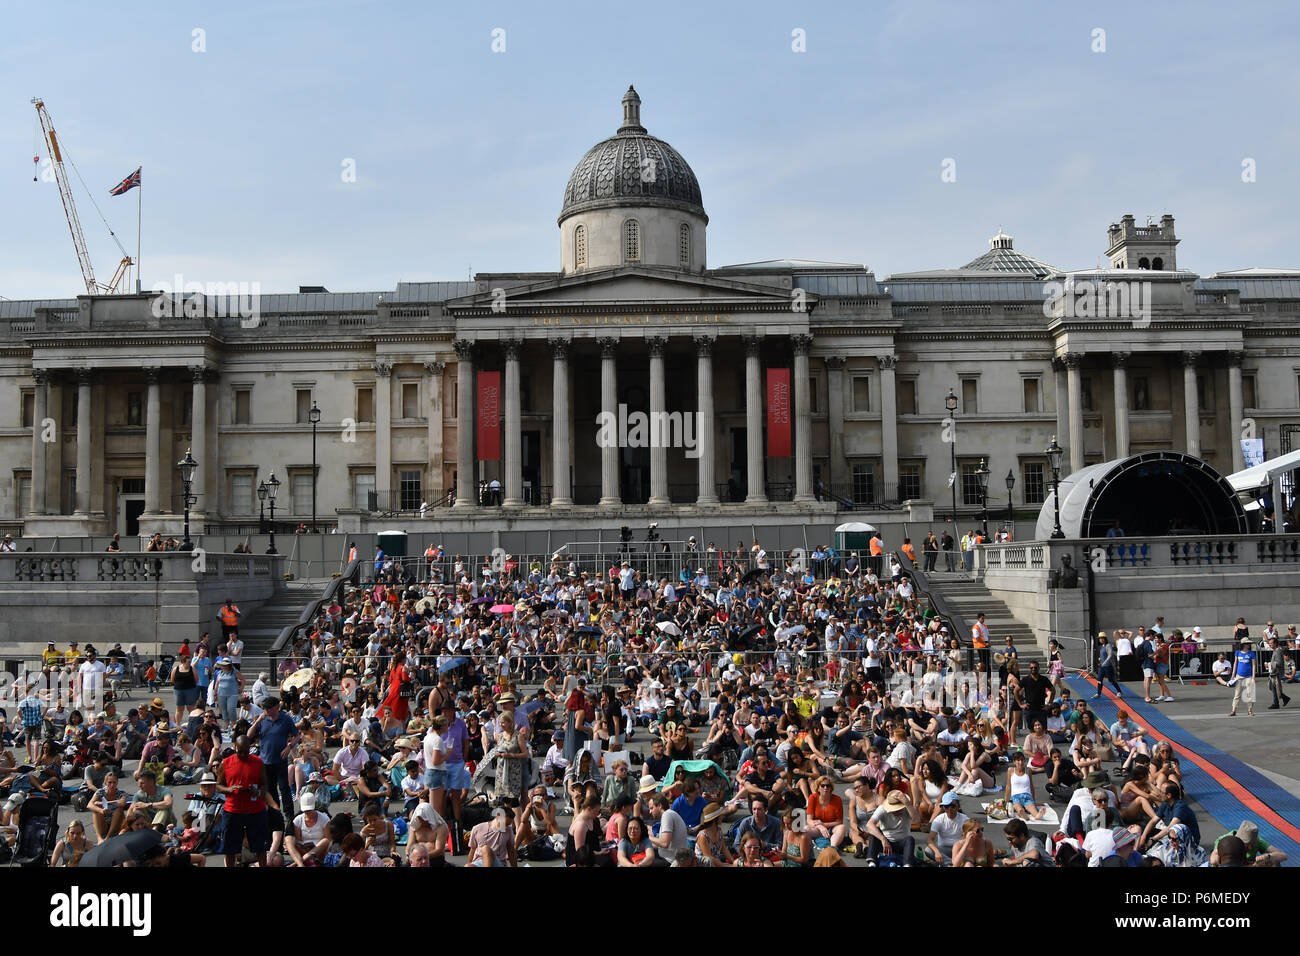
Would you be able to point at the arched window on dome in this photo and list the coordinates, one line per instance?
(631, 241)
(580, 247)
(684, 245)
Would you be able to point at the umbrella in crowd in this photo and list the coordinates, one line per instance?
(753, 575)
(452, 664)
(482, 600)
(502, 609)
(669, 627)
(299, 678)
(120, 849)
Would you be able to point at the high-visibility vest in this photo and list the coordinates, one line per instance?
(352, 555)
(229, 615)
(910, 552)
(877, 547)
(979, 635)
(428, 552)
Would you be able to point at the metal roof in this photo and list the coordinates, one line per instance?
(1009, 289)
(849, 284)
(26, 308)
(777, 265)
(1280, 288)
(430, 291)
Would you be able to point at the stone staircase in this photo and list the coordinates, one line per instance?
(260, 629)
(968, 597)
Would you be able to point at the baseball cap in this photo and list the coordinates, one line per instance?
(950, 798)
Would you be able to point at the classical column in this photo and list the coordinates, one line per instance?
(755, 456)
(84, 380)
(839, 477)
(561, 436)
(1073, 361)
(153, 442)
(704, 392)
(889, 419)
(659, 432)
(1236, 408)
(514, 483)
(40, 412)
(435, 370)
(1119, 360)
(1062, 404)
(199, 436)
(802, 420)
(1191, 403)
(384, 431)
(466, 477)
(609, 451)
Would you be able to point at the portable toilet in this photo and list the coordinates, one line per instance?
(392, 543)
(853, 536)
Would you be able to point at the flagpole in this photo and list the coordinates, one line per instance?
(139, 201)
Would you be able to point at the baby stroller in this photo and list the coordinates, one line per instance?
(38, 831)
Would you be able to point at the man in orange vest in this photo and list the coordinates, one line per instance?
(352, 553)
(909, 550)
(877, 552)
(228, 614)
(429, 555)
(979, 638)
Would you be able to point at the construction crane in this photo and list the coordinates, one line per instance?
(70, 211)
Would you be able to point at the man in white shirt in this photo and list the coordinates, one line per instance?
(946, 829)
(760, 560)
(90, 676)
(672, 829)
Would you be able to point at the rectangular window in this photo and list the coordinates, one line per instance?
(135, 408)
(365, 404)
(410, 489)
(410, 399)
(363, 486)
(242, 495)
(864, 484)
(1141, 393)
(1248, 399)
(907, 396)
(69, 500)
(970, 484)
(1030, 387)
(70, 408)
(525, 386)
(969, 401)
(861, 393)
(1034, 485)
(1205, 393)
(304, 406)
(812, 395)
(1086, 390)
(23, 485)
(909, 481)
(243, 405)
(187, 408)
(28, 408)
(132, 486)
(300, 489)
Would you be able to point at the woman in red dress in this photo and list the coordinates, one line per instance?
(394, 703)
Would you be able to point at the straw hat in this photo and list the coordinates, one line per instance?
(648, 783)
(712, 812)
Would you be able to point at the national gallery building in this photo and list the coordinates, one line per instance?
(637, 383)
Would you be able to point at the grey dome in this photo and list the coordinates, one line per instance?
(611, 172)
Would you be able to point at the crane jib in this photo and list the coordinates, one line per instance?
(54, 147)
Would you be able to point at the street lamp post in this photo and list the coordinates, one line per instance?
(267, 491)
(1011, 484)
(950, 403)
(187, 466)
(261, 514)
(314, 415)
(1054, 453)
(982, 476)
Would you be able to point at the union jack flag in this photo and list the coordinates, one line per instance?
(129, 183)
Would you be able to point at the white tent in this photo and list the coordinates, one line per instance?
(860, 527)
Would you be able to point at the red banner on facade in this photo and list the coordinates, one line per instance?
(488, 416)
(778, 413)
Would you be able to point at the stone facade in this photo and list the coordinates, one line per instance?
(102, 395)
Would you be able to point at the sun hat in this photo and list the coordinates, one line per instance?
(307, 801)
(1123, 837)
(648, 783)
(1095, 780)
(207, 778)
(157, 704)
(1248, 833)
(1245, 640)
(894, 800)
(712, 812)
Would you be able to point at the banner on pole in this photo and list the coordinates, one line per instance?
(488, 416)
(778, 413)
(1252, 452)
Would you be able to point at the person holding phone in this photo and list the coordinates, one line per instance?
(242, 778)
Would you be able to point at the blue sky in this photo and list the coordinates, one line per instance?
(462, 154)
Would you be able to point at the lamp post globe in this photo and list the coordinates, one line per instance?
(950, 403)
(187, 466)
(1054, 454)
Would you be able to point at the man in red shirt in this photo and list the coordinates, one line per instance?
(242, 778)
